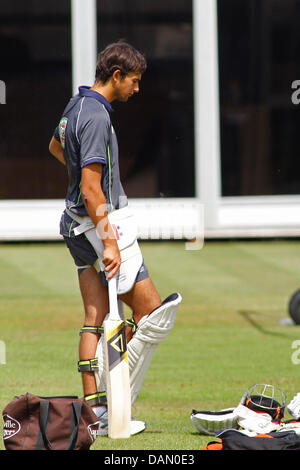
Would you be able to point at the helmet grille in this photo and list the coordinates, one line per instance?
(266, 398)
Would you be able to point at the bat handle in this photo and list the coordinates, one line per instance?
(113, 299)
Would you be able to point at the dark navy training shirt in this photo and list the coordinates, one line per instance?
(87, 136)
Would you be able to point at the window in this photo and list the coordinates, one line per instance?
(35, 57)
(155, 128)
(258, 62)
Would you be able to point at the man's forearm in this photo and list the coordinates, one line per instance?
(95, 203)
(96, 207)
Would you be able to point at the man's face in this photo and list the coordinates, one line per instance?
(127, 86)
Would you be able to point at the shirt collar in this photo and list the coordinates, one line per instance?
(86, 91)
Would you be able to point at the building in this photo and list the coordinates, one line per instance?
(211, 138)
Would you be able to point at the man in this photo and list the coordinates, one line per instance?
(86, 143)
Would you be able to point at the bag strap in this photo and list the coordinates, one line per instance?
(42, 439)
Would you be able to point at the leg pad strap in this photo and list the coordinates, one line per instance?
(89, 365)
(92, 329)
(132, 324)
(96, 399)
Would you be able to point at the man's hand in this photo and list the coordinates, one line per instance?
(111, 259)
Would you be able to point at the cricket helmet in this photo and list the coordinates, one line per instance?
(264, 398)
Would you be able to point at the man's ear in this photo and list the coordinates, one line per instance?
(117, 76)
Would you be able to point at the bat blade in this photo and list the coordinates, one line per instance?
(118, 382)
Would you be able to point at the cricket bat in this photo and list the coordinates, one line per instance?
(117, 369)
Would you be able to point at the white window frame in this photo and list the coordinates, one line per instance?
(84, 42)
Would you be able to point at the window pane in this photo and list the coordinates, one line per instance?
(35, 57)
(155, 128)
(259, 60)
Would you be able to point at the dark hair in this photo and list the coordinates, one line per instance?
(119, 56)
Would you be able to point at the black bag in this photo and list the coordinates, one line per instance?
(232, 439)
(49, 423)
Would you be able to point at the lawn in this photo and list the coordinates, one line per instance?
(227, 334)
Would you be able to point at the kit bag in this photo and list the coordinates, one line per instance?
(232, 439)
(49, 423)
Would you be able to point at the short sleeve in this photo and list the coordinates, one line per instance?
(93, 135)
(56, 134)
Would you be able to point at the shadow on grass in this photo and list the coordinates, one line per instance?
(253, 318)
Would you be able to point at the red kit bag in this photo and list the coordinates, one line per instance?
(49, 423)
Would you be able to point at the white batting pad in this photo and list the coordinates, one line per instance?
(151, 330)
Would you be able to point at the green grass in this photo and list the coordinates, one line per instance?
(226, 337)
